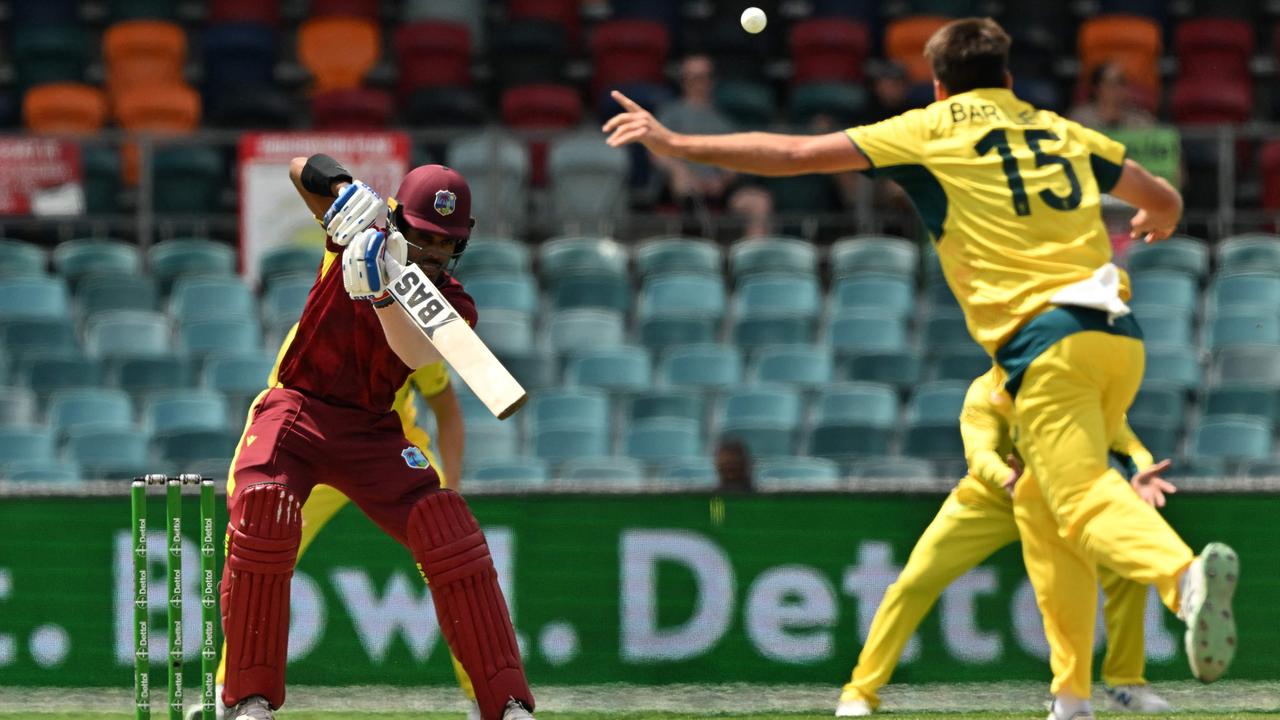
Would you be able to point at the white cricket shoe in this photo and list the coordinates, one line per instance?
(853, 707)
(1136, 699)
(516, 711)
(1207, 588)
(1081, 711)
(254, 707)
(473, 712)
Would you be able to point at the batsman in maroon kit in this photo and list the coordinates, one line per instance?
(327, 419)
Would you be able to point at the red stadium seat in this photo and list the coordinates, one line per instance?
(433, 54)
(628, 51)
(829, 49)
(265, 12)
(1208, 99)
(904, 41)
(541, 107)
(1221, 47)
(1271, 176)
(367, 9)
(351, 109)
(560, 12)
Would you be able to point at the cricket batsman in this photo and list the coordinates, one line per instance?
(329, 420)
(977, 519)
(1011, 195)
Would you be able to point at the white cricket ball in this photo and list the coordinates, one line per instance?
(754, 20)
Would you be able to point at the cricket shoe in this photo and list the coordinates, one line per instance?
(1136, 699)
(853, 707)
(515, 710)
(1207, 587)
(473, 711)
(254, 707)
(1081, 711)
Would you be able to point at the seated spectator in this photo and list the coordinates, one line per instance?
(890, 91)
(733, 466)
(1111, 102)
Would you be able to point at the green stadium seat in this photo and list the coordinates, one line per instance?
(118, 10)
(493, 255)
(1242, 291)
(141, 376)
(33, 298)
(1160, 435)
(845, 103)
(188, 180)
(662, 256)
(591, 291)
(940, 297)
(497, 168)
(749, 105)
(775, 309)
(1179, 366)
(1232, 437)
(802, 194)
(183, 448)
(44, 471)
(933, 421)
(604, 472)
(764, 437)
(189, 409)
(659, 440)
(807, 367)
(1248, 253)
(559, 443)
(1165, 288)
(22, 258)
(569, 331)
(75, 259)
(769, 402)
(507, 332)
(851, 333)
(772, 255)
(1244, 398)
(102, 169)
(797, 472)
(17, 406)
(564, 407)
(626, 369)
(889, 294)
(854, 419)
(707, 366)
(588, 179)
(523, 471)
(900, 368)
(581, 255)
(490, 441)
(905, 468)
(127, 333)
(1159, 401)
(1241, 326)
(239, 373)
(875, 254)
(285, 260)
(958, 362)
(99, 293)
(695, 296)
(170, 259)
(943, 328)
(103, 407)
(24, 339)
(25, 444)
(50, 54)
(1179, 253)
(1197, 470)
(665, 331)
(210, 298)
(497, 292)
(1269, 468)
(108, 453)
(534, 370)
(689, 474)
(283, 302)
(668, 404)
(1165, 325)
(211, 337)
(53, 372)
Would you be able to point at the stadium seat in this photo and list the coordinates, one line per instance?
(351, 109)
(173, 108)
(933, 428)
(64, 108)
(104, 407)
(624, 51)
(187, 409)
(1132, 42)
(28, 14)
(208, 337)
(449, 107)
(44, 471)
(283, 260)
(763, 437)
(1244, 398)
(208, 298)
(1258, 291)
(468, 12)
(283, 304)
(143, 375)
(1248, 363)
(668, 404)
(187, 180)
(102, 173)
(806, 367)
(169, 259)
(854, 419)
(108, 453)
(25, 444)
(762, 401)
(570, 407)
(1214, 46)
(965, 361)
(521, 471)
(603, 472)
(749, 104)
(61, 371)
(349, 8)
(1178, 365)
(663, 256)
(74, 259)
(1164, 325)
(580, 329)
(21, 258)
(338, 51)
(17, 406)
(582, 290)
(797, 472)
(1252, 252)
(680, 308)
(529, 52)
(1166, 288)
(33, 298)
(695, 473)
(589, 255)
(706, 366)
(1159, 401)
(588, 179)
(497, 167)
(101, 292)
(1161, 436)
(891, 294)
(772, 255)
(498, 256)
(507, 333)
(490, 442)
(1179, 253)
(118, 10)
(126, 333)
(244, 11)
(874, 254)
(50, 54)
(1269, 162)
(1211, 99)
(143, 52)
(775, 309)
(559, 443)
(504, 292)
(625, 369)
(857, 332)
(185, 448)
(905, 468)
(828, 49)
(1232, 437)
(1245, 326)
(238, 373)
(659, 440)
(844, 103)
(904, 41)
(943, 328)
(26, 340)
(237, 55)
(432, 55)
(560, 12)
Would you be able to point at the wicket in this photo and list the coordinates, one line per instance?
(173, 571)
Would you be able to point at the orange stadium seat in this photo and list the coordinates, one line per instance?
(351, 109)
(338, 51)
(143, 52)
(433, 54)
(904, 41)
(1129, 41)
(64, 108)
(169, 108)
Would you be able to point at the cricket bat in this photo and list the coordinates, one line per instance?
(457, 343)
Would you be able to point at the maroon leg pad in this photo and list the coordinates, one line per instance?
(262, 547)
(454, 558)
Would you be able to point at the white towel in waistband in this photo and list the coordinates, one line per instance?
(1101, 291)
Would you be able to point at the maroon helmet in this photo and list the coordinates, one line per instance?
(434, 199)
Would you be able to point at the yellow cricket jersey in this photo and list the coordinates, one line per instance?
(429, 380)
(1011, 195)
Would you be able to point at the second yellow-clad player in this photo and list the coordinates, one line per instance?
(976, 520)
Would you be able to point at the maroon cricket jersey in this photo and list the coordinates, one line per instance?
(339, 353)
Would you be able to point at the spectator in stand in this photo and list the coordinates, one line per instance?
(890, 91)
(697, 189)
(733, 466)
(1111, 102)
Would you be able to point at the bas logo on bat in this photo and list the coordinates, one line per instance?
(424, 302)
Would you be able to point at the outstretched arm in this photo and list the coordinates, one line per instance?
(1159, 204)
(756, 153)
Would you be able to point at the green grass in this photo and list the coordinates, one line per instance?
(305, 715)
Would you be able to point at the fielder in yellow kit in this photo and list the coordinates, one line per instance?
(432, 383)
(976, 520)
(1011, 195)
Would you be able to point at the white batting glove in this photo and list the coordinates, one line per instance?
(356, 208)
(371, 262)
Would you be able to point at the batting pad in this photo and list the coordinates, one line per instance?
(262, 547)
(454, 558)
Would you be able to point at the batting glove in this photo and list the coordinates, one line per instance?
(357, 208)
(371, 262)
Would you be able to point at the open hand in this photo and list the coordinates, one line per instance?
(1150, 486)
(1015, 472)
(638, 125)
(1151, 228)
